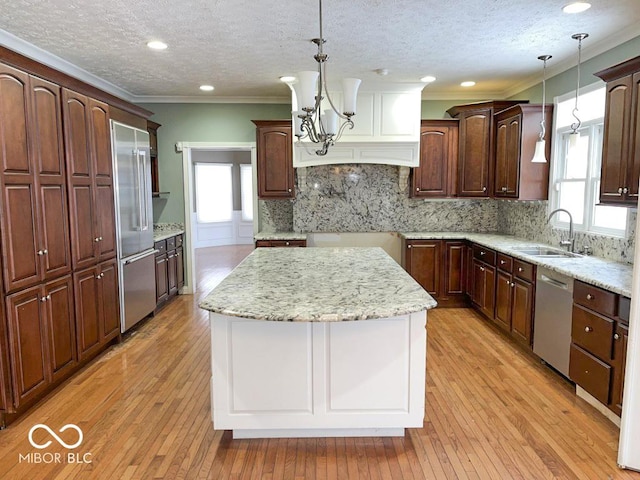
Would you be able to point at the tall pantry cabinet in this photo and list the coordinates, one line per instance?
(59, 303)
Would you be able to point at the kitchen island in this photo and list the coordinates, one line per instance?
(314, 342)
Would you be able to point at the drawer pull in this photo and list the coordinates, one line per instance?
(482, 269)
(482, 253)
(408, 246)
(286, 243)
(502, 262)
(520, 269)
(590, 297)
(616, 336)
(588, 329)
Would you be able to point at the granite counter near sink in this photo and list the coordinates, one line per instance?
(613, 276)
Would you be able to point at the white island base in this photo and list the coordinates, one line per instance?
(318, 379)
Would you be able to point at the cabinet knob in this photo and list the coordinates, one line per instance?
(45, 251)
(508, 282)
(625, 190)
(100, 238)
(616, 336)
(588, 329)
(504, 189)
(620, 190)
(289, 190)
(520, 269)
(97, 239)
(590, 297)
(40, 252)
(502, 262)
(482, 269)
(43, 299)
(99, 276)
(513, 284)
(484, 189)
(482, 253)
(418, 189)
(286, 243)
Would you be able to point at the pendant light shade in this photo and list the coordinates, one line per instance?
(540, 156)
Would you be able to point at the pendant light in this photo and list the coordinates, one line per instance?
(321, 127)
(575, 134)
(539, 155)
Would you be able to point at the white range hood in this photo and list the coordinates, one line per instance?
(386, 131)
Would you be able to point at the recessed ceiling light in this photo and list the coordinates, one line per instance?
(287, 79)
(467, 84)
(157, 45)
(428, 79)
(206, 88)
(576, 7)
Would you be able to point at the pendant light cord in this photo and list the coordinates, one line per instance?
(575, 126)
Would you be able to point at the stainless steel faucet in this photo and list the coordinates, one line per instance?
(570, 243)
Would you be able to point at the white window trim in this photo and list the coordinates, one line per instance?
(556, 152)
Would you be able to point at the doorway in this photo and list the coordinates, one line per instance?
(196, 151)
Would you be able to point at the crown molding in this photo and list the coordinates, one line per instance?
(212, 99)
(466, 95)
(29, 50)
(568, 62)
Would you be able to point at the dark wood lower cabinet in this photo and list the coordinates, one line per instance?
(42, 337)
(97, 308)
(504, 300)
(484, 288)
(522, 311)
(422, 260)
(169, 268)
(620, 340)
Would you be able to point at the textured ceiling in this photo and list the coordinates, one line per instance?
(243, 46)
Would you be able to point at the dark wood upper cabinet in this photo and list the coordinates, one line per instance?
(152, 128)
(35, 225)
(90, 179)
(276, 176)
(517, 131)
(476, 144)
(437, 174)
(621, 146)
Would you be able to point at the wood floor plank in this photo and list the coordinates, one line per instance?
(492, 412)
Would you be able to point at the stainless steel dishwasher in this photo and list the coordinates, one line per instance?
(552, 323)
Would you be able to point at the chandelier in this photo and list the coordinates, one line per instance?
(310, 121)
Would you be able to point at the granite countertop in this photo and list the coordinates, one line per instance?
(613, 276)
(164, 234)
(318, 284)
(280, 236)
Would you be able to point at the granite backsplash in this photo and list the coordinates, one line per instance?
(375, 198)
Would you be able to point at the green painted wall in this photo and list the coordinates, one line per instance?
(566, 81)
(199, 122)
(436, 109)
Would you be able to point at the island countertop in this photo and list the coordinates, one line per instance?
(318, 284)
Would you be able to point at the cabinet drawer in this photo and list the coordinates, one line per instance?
(171, 243)
(484, 254)
(161, 247)
(592, 332)
(281, 243)
(524, 271)
(505, 263)
(178, 240)
(590, 373)
(597, 299)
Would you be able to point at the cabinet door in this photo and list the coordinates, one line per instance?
(633, 169)
(49, 162)
(508, 135)
(83, 238)
(28, 344)
(504, 296)
(21, 264)
(180, 267)
(488, 307)
(474, 156)
(87, 311)
(617, 119)
(423, 264)
(435, 177)
(105, 219)
(61, 325)
(162, 281)
(454, 268)
(500, 180)
(76, 136)
(477, 295)
(620, 340)
(275, 161)
(172, 272)
(109, 301)
(522, 311)
(100, 142)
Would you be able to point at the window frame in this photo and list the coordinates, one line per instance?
(196, 205)
(594, 162)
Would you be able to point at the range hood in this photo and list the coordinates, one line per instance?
(386, 131)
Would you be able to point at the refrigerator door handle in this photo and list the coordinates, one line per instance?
(139, 190)
(140, 256)
(144, 205)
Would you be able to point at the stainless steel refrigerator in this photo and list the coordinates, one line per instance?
(134, 221)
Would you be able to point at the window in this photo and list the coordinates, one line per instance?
(246, 192)
(576, 184)
(214, 200)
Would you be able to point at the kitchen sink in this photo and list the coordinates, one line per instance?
(545, 252)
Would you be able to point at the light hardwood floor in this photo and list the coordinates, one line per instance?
(492, 412)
